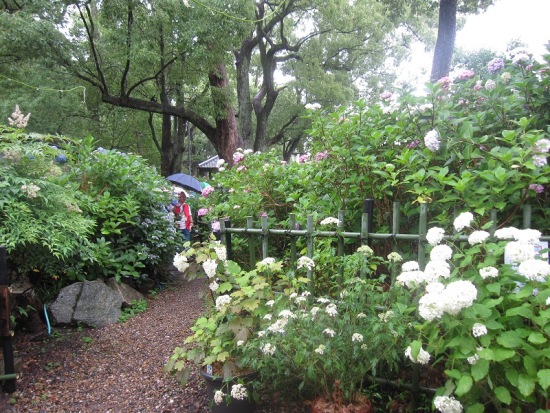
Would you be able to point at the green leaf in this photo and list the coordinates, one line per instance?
(524, 311)
(503, 395)
(480, 369)
(544, 378)
(526, 385)
(464, 385)
(455, 374)
(509, 339)
(530, 365)
(475, 408)
(536, 338)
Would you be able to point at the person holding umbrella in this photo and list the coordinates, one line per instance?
(184, 219)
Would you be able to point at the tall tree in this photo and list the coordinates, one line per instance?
(332, 44)
(446, 32)
(160, 57)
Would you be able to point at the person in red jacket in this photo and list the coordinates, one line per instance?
(184, 219)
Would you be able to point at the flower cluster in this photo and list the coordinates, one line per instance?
(31, 190)
(17, 118)
(431, 140)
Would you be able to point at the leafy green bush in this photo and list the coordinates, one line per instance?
(71, 213)
(478, 142)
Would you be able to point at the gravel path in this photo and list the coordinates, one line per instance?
(118, 368)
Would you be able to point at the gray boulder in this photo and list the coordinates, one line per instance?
(127, 293)
(92, 303)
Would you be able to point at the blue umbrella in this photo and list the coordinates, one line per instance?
(186, 181)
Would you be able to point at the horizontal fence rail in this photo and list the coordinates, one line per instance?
(364, 236)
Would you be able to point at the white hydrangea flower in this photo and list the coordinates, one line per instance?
(268, 349)
(329, 332)
(361, 315)
(490, 84)
(330, 220)
(534, 270)
(394, 257)
(435, 235)
(437, 269)
(357, 337)
(180, 262)
(410, 266)
(365, 250)
(411, 279)
(527, 235)
(278, 326)
(458, 295)
(477, 237)
(218, 396)
(305, 262)
(222, 301)
(221, 252)
(422, 358)
(314, 310)
(473, 359)
(430, 307)
(331, 310)
(214, 286)
(210, 267)
(266, 262)
(287, 314)
(268, 317)
(488, 272)
(446, 404)
(239, 392)
(463, 221)
(518, 251)
(386, 316)
(506, 233)
(431, 140)
(320, 350)
(479, 330)
(441, 253)
(270, 303)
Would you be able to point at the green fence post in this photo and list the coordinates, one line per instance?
(422, 230)
(309, 241)
(526, 216)
(340, 246)
(493, 218)
(251, 243)
(265, 241)
(293, 254)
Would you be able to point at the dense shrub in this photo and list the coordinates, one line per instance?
(477, 142)
(71, 213)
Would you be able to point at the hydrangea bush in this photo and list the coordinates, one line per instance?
(314, 346)
(478, 141)
(483, 305)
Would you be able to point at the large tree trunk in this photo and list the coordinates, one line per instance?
(445, 44)
(227, 137)
(242, 64)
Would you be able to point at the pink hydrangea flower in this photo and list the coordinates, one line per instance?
(539, 189)
(303, 158)
(202, 212)
(466, 74)
(207, 191)
(321, 155)
(238, 156)
(445, 82)
(386, 95)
